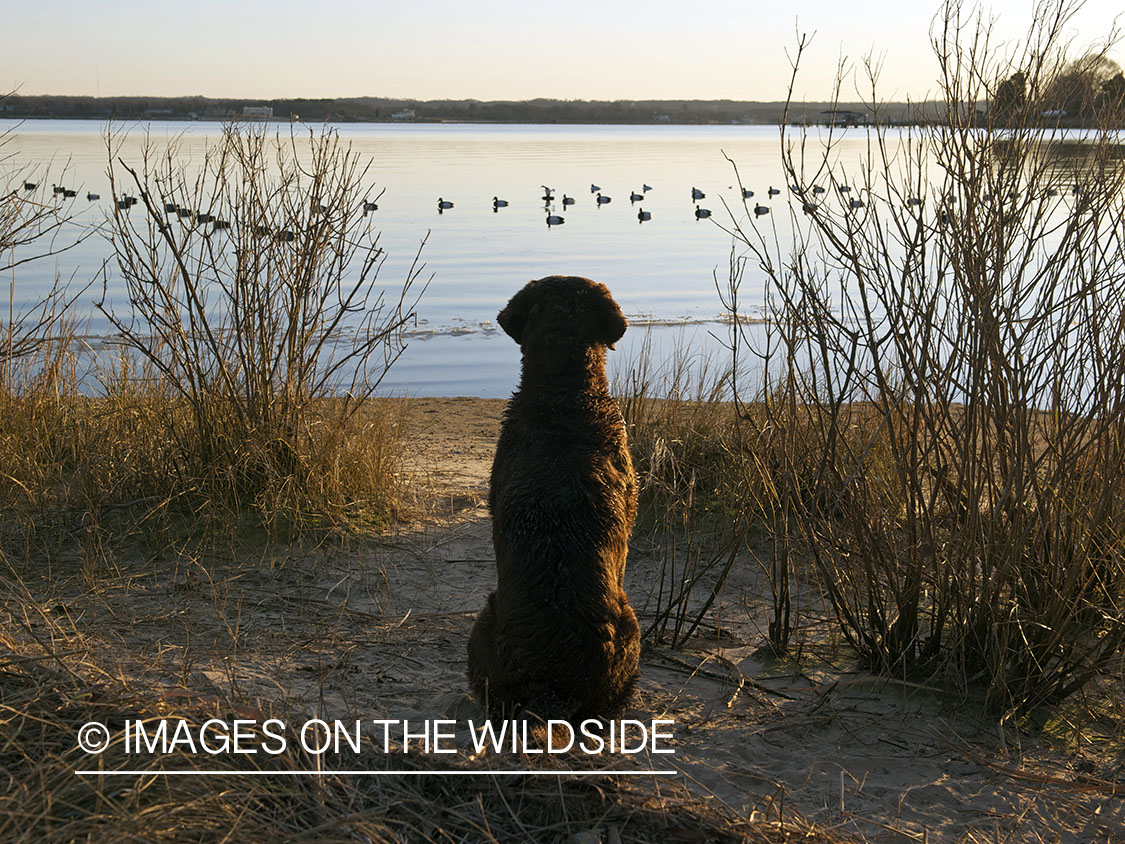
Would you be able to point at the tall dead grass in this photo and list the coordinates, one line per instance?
(234, 395)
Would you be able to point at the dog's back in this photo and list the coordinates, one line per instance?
(558, 636)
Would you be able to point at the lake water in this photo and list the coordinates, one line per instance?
(662, 272)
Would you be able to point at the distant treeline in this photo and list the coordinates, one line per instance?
(378, 109)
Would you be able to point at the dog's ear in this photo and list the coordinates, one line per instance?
(610, 323)
(514, 316)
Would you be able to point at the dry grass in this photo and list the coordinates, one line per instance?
(49, 688)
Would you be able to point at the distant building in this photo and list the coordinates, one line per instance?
(258, 112)
(832, 117)
(405, 114)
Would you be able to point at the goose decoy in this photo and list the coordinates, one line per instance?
(856, 203)
(696, 193)
(204, 218)
(498, 203)
(548, 195)
(554, 220)
(594, 189)
(69, 194)
(944, 218)
(845, 189)
(643, 215)
(221, 224)
(702, 213)
(772, 191)
(808, 207)
(368, 207)
(92, 196)
(129, 200)
(30, 185)
(646, 188)
(817, 189)
(262, 231)
(443, 205)
(747, 193)
(760, 209)
(286, 236)
(171, 208)
(636, 197)
(1052, 192)
(914, 200)
(602, 200)
(57, 189)
(123, 205)
(568, 200)
(184, 212)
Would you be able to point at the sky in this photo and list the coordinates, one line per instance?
(484, 49)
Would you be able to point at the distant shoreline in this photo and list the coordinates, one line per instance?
(406, 111)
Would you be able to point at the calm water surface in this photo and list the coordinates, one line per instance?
(662, 272)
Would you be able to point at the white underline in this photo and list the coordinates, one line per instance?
(158, 773)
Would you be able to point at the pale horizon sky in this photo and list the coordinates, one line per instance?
(488, 50)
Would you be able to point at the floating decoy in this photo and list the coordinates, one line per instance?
(554, 220)
(548, 196)
(701, 213)
(568, 200)
(123, 205)
(1052, 192)
(602, 200)
(170, 208)
(221, 224)
(808, 207)
(57, 189)
(636, 197)
(286, 236)
(817, 189)
(499, 203)
(643, 215)
(773, 191)
(646, 188)
(204, 218)
(30, 185)
(262, 231)
(795, 188)
(844, 189)
(747, 193)
(368, 207)
(760, 209)
(594, 188)
(69, 194)
(696, 193)
(443, 205)
(944, 218)
(856, 203)
(129, 200)
(93, 196)
(914, 200)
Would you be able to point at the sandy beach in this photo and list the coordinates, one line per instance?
(380, 631)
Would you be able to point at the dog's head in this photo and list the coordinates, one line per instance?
(563, 311)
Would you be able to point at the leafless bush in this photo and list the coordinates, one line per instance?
(945, 375)
(253, 298)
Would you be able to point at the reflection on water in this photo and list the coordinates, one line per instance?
(662, 270)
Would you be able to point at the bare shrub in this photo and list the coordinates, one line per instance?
(253, 299)
(945, 366)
